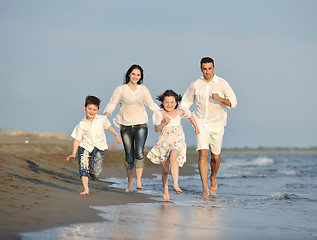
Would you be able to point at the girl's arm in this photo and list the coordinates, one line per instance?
(165, 121)
(114, 132)
(75, 148)
(187, 114)
(193, 121)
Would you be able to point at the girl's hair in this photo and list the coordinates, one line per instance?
(169, 93)
(127, 75)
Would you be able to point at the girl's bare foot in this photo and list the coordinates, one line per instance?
(166, 195)
(178, 190)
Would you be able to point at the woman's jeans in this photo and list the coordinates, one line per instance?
(133, 138)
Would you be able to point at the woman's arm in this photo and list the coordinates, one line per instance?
(115, 99)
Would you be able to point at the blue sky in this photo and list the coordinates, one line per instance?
(54, 53)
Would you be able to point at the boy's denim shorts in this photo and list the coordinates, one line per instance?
(90, 164)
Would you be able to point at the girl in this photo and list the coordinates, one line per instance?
(170, 149)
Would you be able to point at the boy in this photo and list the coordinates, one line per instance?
(90, 141)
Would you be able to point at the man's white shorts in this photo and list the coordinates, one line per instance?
(207, 137)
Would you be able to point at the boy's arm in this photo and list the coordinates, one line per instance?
(75, 148)
(193, 121)
(114, 132)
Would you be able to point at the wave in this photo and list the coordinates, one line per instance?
(259, 161)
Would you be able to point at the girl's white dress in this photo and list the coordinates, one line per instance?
(172, 137)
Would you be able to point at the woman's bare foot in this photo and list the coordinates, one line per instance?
(166, 195)
(84, 193)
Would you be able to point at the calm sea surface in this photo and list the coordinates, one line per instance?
(259, 197)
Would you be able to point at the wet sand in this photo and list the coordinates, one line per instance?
(40, 189)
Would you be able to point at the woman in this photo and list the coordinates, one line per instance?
(132, 120)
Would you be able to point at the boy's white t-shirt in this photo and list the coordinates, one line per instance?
(92, 134)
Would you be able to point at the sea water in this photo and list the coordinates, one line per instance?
(258, 197)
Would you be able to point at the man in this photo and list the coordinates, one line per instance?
(213, 96)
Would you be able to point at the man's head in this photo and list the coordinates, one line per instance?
(207, 67)
(92, 104)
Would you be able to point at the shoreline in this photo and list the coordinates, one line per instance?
(40, 188)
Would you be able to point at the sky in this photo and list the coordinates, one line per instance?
(55, 53)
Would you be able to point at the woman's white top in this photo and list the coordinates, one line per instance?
(132, 110)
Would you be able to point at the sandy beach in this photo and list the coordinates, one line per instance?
(40, 189)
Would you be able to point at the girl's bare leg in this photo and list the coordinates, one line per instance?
(130, 181)
(175, 169)
(139, 172)
(84, 181)
(165, 171)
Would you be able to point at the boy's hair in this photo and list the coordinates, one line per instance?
(169, 93)
(92, 100)
(206, 60)
(127, 75)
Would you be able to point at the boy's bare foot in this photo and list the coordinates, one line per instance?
(166, 195)
(140, 188)
(129, 188)
(84, 193)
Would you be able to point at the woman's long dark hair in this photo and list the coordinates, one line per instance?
(127, 75)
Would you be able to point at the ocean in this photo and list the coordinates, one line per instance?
(269, 196)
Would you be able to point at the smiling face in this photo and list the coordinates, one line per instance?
(169, 103)
(135, 76)
(91, 111)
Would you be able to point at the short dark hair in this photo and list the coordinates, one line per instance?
(127, 75)
(206, 60)
(92, 100)
(169, 93)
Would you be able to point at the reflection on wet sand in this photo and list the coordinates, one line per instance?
(188, 220)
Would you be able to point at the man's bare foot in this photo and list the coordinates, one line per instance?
(84, 193)
(206, 194)
(166, 195)
(214, 186)
(206, 191)
(129, 188)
